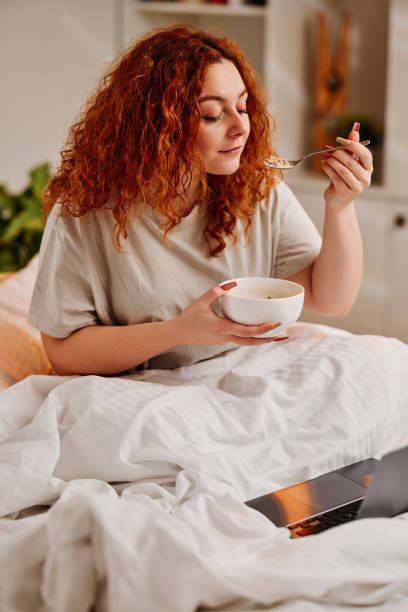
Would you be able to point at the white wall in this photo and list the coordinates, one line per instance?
(51, 55)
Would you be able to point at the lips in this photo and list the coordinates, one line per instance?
(233, 150)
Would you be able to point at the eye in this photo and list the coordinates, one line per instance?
(212, 118)
(243, 112)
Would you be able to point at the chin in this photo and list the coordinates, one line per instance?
(224, 169)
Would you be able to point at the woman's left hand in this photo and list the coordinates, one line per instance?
(348, 176)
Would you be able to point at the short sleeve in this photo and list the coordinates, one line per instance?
(299, 242)
(62, 300)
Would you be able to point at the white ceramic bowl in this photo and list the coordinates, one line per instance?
(257, 300)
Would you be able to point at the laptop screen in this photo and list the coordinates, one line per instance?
(388, 491)
(306, 499)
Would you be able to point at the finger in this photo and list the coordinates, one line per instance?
(355, 132)
(339, 175)
(213, 294)
(355, 148)
(356, 167)
(253, 341)
(245, 331)
(344, 174)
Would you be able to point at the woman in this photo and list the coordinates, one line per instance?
(161, 195)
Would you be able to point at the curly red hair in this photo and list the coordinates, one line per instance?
(138, 130)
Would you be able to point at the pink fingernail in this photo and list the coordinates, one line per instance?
(228, 286)
(356, 126)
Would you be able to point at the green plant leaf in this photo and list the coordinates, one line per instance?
(21, 220)
(39, 177)
(28, 220)
(6, 200)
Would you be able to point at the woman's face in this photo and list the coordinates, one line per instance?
(224, 126)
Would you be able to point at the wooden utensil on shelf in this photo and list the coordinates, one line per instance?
(331, 82)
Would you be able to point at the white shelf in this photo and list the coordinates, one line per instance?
(200, 8)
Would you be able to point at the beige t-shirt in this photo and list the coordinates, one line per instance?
(83, 280)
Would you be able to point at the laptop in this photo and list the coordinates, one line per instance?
(368, 488)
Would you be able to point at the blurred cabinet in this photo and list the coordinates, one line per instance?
(382, 304)
(396, 323)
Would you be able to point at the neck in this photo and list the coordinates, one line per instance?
(183, 205)
(191, 196)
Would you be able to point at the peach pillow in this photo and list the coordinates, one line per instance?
(21, 350)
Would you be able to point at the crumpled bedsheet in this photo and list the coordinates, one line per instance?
(125, 493)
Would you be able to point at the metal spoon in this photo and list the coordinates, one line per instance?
(285, 164)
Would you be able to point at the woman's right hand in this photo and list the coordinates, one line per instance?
(198, 324)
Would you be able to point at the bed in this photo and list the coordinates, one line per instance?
(126, 493)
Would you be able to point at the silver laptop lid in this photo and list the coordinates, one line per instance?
(387, 494)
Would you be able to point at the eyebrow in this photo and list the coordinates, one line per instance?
(219, 98)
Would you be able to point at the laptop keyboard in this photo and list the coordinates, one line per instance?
(324, 521)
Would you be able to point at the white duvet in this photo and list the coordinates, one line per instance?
(145, 477)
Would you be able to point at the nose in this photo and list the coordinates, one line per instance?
(239, 124)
